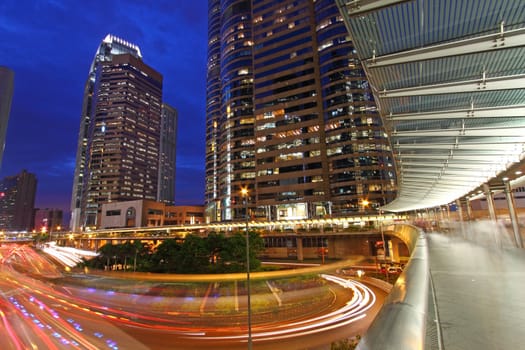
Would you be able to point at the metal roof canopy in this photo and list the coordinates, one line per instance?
(448, 77)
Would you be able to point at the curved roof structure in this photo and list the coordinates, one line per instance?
(449, 81)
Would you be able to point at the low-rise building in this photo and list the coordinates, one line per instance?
(148, 213)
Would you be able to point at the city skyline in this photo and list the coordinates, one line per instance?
(50, 46)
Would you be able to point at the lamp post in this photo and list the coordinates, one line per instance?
(384, 243)
(244, 193)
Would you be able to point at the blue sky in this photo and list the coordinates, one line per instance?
(50, 46)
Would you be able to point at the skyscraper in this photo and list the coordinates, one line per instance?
(17, 202)
(6, 96)
(119, 139)
(48, 220)
(290, 115)
(168, 155)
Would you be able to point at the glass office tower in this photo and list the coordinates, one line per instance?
(6, 96)
(290, 115)
(168, 155)
(17, 202)
(119, 141)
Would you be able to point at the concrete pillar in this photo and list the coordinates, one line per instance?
(490, 202)
(469, 209)
(466, 208)
(460, 210)
(461, 218)
(300, 255)
(512, 214)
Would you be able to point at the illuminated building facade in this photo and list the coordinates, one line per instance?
(6, 96)
(290, 115)
(119, 142)
(17, 202)
(168, 155)
(110, 46)
(146, 213)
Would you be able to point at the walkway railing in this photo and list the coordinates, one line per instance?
(401, 322)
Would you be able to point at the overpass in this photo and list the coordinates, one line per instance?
(448, 77)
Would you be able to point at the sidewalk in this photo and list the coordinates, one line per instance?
(480, 294)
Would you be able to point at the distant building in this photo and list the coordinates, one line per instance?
(6, 96)
(147, 213)
(119, 141)
(168, 155)
(290, 115)
(17, 202)
(110, 46)
(48, 220)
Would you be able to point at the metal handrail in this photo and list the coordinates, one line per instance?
(401, 322)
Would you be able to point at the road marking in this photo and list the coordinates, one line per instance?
(203, 304)
(275, 292)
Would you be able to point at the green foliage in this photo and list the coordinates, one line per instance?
(166, 257)
(122, 255)
(215, 253)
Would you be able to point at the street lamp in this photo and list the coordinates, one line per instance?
(365, 203)
(384, 243)
(244, 194)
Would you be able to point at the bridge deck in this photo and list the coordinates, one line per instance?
(480, 292)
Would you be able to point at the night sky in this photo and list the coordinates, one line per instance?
(50, 46)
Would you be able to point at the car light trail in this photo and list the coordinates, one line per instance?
(353, 311)
(60, 326)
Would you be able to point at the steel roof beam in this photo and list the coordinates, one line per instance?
(454, 153)
(450, 165)
(443, 177)
(497, 41)
(477, 85)
(436, 172)
(474, 157)
(475, 141)
(489, 145)
(489, 131)
(493, 112)
(354, 7)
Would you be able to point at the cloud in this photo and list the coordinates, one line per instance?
(50, 46)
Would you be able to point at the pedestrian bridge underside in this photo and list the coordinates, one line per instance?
(449, 81)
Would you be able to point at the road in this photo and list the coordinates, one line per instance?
(40, 309)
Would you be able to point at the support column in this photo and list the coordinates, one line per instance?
(299, 241)
(461, 218)
(460, 210)
(465, 211)
(490, 202)
(512, 214)
(447, 207)
(469, 209)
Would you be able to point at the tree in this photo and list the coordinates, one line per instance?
(234, 252)
(194, 255)
(166, 257)
(215, 243)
